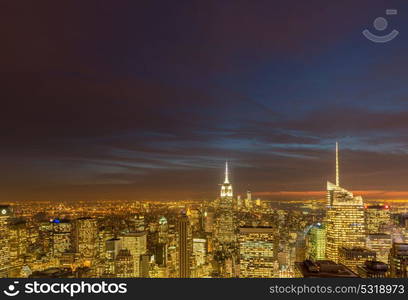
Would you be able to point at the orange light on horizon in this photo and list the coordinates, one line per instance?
(375, 195)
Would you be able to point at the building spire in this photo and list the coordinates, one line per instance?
(337, 165)
(226, 187)
(226, 173)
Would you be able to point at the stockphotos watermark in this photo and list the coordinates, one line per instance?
(381, 24)
(71, 289)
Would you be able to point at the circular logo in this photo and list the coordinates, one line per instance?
(3, 211)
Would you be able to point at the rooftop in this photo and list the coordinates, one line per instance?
(324, 269)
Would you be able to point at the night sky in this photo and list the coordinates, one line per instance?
(147, 99)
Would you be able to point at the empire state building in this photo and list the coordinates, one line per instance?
(225, 225)
(226, 187)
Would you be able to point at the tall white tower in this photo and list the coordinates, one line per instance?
(225, 223)
(344, 221)
(226, 187)
(337, 165)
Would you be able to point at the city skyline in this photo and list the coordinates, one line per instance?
(375, 195)
(231, 236)
(146, 100)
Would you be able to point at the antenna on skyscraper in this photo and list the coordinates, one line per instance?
(226, 172)
(337, 165)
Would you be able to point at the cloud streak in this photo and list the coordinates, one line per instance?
(146, 100)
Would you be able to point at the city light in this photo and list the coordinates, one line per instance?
(231, 236)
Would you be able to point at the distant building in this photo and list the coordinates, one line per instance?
(300, 247)
(322, 269)
(225, 222)
(104, 233)
(5, 215)
(373, 269)
(240, 202)
(199, 251)
(376, 216)
(399, 260)
(184, 246)
(381, 244)
(124, 264)
(18, 240)
(256, 249)
(85, 237)
(113, 246)
(144, 265)
(163, 230)
(354, 257)
(61, 237)
(161, 254)
(136, 243)
(248, 200)
(209, 221)
(316, 243)
(138, 224)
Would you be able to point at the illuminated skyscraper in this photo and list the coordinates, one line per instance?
(113, 246)
(225, 223)
(85, 237)
(248, 200)
(163, 230)
(18, 240)
(258, 202)
(124, 264)
(194, 215)
(344, 222)
(300, 247)
(144, 265)
(138, 223)
(199, 251)
(376, 216)
(135, 242)
(104, 233)
(184, 246)
(354, 257)
(160, 249)
(398, 260)
(316, 242)
(239, 202)
(61, 237)
(5, 214)
(45, 237)
(209, 221)
(381, 244)
(226, 187)
(256, 252)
